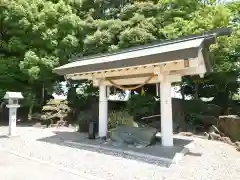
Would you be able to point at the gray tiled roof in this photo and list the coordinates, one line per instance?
(182, 48)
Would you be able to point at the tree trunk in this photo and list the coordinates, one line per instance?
(182, 92)
(43, 95)
(30, 110)
(196, 91)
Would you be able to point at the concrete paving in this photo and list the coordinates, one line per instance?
(42, 153)
(13, 167)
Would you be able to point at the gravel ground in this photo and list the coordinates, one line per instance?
(13, 167)
(207, 160)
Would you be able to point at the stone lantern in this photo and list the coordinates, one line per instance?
(13, 98)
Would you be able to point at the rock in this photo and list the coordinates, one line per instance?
(237, 144)
(137, 136)
(207, 135)
(214, 136)
(227, 140)
(186, 133)
(216, 130)
(230, 126)
(155, 124)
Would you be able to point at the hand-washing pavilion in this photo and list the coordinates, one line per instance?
(163, 63)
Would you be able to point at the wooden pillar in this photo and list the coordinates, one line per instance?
(166, 112)
(103, 111)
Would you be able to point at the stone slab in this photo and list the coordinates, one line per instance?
(156, 154)
(135, 136)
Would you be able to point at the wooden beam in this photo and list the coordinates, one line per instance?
(139, 80)
(191, 71)
(145, 69)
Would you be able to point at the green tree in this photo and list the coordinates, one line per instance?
(38, 35)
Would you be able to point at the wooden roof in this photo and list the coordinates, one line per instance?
(177, 56)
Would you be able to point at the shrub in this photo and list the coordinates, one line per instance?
(193, 106)
(193, 119)
(141, 105)
(200, 107)
(116, 118)
(54, 111)
(212, 109)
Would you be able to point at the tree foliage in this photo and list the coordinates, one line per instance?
(38, 35)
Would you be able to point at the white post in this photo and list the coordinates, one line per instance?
(103, 111)
(157, 89)
(12, 121)
(166, 112)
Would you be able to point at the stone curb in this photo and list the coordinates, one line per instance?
(176, 159)
(60, 167)
(179, 156)
(127, 152)
(12, 136)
